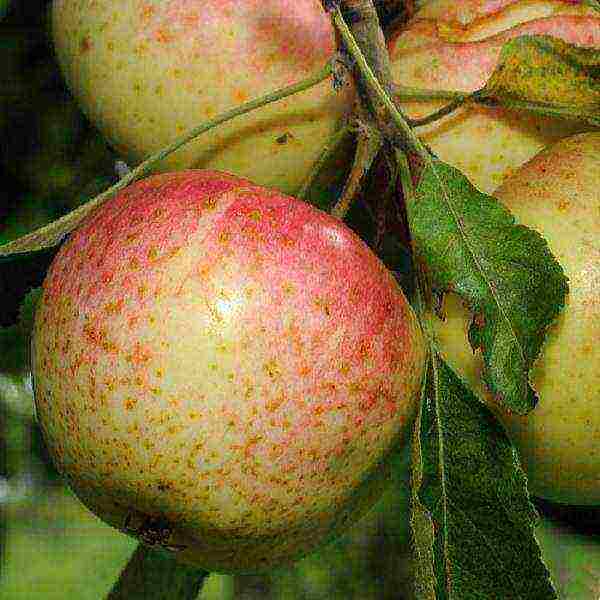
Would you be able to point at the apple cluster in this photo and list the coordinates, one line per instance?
(223, 369)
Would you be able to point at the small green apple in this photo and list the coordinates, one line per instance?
(223, 370)
(555, 193)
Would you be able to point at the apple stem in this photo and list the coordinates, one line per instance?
(404, 93)
(442, 112)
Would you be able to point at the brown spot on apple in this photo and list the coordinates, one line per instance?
(85, 45)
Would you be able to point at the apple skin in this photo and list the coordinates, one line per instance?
(453, 45)
(228, 361)
(556, 193)
(146, 72)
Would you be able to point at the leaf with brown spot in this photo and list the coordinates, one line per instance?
(546, 75)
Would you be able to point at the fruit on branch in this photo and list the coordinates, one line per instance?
(454, 46)
(555, 193)
(146, 72)
(223, 370)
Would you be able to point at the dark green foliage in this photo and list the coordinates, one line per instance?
(153, 574)
(471, 512)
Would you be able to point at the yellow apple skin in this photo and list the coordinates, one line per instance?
(555, 193)
(454, 46)
(145, 72)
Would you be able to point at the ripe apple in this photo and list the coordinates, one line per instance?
(223, 370)
(146, 72)
(454, 46)
(555, 193)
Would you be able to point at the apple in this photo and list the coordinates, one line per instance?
(146, 72)
(555, 193)
(223, 370)
(453, 45)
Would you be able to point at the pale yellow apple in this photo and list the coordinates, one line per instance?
(145, 72)
(454, 46)
(558, 194)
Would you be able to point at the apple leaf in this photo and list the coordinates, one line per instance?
(471, 516)
(470, 244)
(154, 574)
(15, 390)
(27, 310)
(547, 75)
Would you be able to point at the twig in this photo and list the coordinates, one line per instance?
(52, 234)
(368, 145)
(396, 129)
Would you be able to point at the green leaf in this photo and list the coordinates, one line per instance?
(423, 534)
(15, 391)
(547, 75)
(13, 350)
(470, 244)
(27, 310)
(154, 574)
(472, 517)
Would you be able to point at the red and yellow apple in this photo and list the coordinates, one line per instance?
(146, 72)
(555, 193)
(223, 369)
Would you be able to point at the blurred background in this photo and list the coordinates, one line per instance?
(51, 547)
